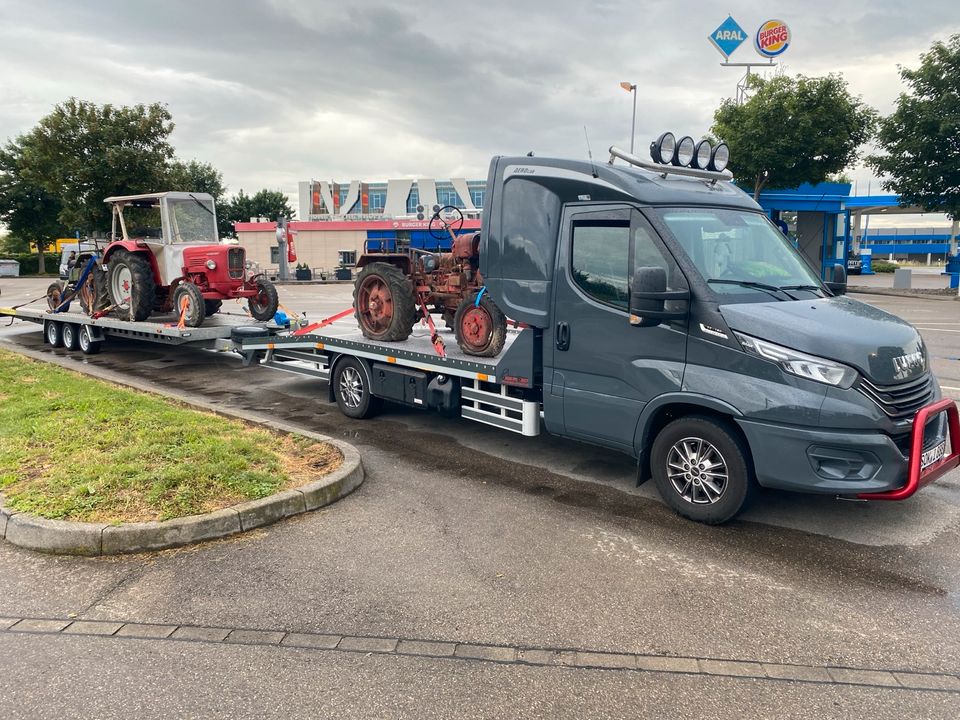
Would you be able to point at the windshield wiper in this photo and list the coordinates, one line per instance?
(811, 288)
(770, 289)
(200, 203)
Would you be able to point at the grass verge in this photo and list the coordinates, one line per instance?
(76, 448)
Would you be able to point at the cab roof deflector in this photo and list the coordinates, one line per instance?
(665, 170)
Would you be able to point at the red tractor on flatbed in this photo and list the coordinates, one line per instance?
(398, 286)
(164, 255)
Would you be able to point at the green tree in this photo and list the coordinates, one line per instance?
(270, 204)
(30, 212)
(921, 138)
(194, 176)
(82, 153)
(793, 130)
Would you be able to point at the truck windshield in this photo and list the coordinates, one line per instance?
(740, 252)
(192, 220)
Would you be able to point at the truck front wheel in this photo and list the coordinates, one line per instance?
(701, 469)
(351, 387)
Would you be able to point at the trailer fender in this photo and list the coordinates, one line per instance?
(660, 410)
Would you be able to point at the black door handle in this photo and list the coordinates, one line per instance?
(563, 336)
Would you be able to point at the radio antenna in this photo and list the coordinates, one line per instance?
(589, 152)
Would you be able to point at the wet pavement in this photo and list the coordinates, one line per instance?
(466, 534)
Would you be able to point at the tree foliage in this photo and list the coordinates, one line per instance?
(921, 138)
(270, 204)
(82, 153)
(793, 130)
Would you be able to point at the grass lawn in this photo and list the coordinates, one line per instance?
(76, 448)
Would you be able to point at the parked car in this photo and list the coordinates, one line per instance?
(79, 248)
(854, 264)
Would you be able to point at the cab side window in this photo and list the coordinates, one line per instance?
(601, 259)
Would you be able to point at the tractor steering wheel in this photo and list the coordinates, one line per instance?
(441, 227)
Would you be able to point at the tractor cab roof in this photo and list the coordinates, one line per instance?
(153, 199)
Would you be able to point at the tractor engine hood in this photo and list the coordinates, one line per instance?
(879, 345)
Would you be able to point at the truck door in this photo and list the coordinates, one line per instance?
(602, 369)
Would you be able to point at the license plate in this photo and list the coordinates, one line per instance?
(934, 454)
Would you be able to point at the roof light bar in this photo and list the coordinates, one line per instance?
(668, 169)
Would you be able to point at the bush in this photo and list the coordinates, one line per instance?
(30, 261)
(882, 266)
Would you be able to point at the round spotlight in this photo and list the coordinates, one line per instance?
(684, 152)
(663, 148)
(719, 158)
(701, 156)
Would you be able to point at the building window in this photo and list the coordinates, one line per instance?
(275, 255)
(348, 257)
(447, 195)
(376, 200)
(413, 199)
(478, 197)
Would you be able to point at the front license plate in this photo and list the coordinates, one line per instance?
(934, 454)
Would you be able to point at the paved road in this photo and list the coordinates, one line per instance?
(463, 534)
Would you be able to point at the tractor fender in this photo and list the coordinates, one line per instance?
(133, 247)
(400, 261)
(331, 396)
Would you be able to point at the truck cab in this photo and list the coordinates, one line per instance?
(678, 325)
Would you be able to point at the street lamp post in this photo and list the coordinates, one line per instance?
(632, 87)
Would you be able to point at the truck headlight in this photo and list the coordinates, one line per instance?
(797, 363)
(211, 265)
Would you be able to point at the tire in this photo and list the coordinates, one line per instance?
(94, 295)
(682, 486)
(481, 328)
(55, 296)
(211, 306)
(53, 333)
(383, 302)
(263, 306)
(351, 387)
(131, 286)
(195, 312)
(69, 332)
(88, 346)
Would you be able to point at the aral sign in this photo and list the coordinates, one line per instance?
(772, 38)
(728, 37)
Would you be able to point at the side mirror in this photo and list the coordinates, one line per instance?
(838, 280)
(648, 297)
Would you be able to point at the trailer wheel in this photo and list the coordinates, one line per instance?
(384, 303)
(130, 279)
(263, 306)
(194, 313)
(701, 469)
(69, 334)
(351, 386)
(88, 346)
(53, 333)
(481, 327)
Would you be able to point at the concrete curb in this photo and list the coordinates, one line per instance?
(78, 538)
(867, 290)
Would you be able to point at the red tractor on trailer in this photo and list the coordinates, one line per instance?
(164, 255)
(396, 287)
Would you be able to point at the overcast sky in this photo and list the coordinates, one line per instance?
(277, 91)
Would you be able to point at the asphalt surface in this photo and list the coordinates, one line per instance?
(465, 534)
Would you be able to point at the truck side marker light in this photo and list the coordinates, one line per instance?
(482, 377)
(917, 477)
(319, 346)
(270, 346)
(391, 359)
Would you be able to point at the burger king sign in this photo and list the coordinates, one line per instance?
(772, 38)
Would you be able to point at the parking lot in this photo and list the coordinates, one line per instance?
(464, 534)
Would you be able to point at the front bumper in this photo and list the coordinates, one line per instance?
(869, 465)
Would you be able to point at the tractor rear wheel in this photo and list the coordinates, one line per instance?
(263, 306)
(130, 280)
(481, 326)
(188, 302)
(383, 302)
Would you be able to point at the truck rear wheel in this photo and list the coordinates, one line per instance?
(701, 469)
(351, 387)
(383, 302)
(130, 280)
(480, 326)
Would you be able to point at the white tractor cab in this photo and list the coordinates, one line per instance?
(165, 255)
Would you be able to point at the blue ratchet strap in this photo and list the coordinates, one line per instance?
(476, 303)
(65, 304)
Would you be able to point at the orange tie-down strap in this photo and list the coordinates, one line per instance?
(306, 329)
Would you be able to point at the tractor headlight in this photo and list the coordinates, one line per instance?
(684, 151)
(797, 363)
(211, 265)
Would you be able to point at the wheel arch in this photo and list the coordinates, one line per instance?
(658, 413)
(132, 247)
(335, 363)
(400, 261)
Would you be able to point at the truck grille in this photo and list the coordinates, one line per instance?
(902, 400)
(235, 262)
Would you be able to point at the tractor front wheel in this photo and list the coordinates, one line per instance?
(383, 302)
(131, 286)
(94, 295)
(188, 304)
(480, 326)
(263, 306)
